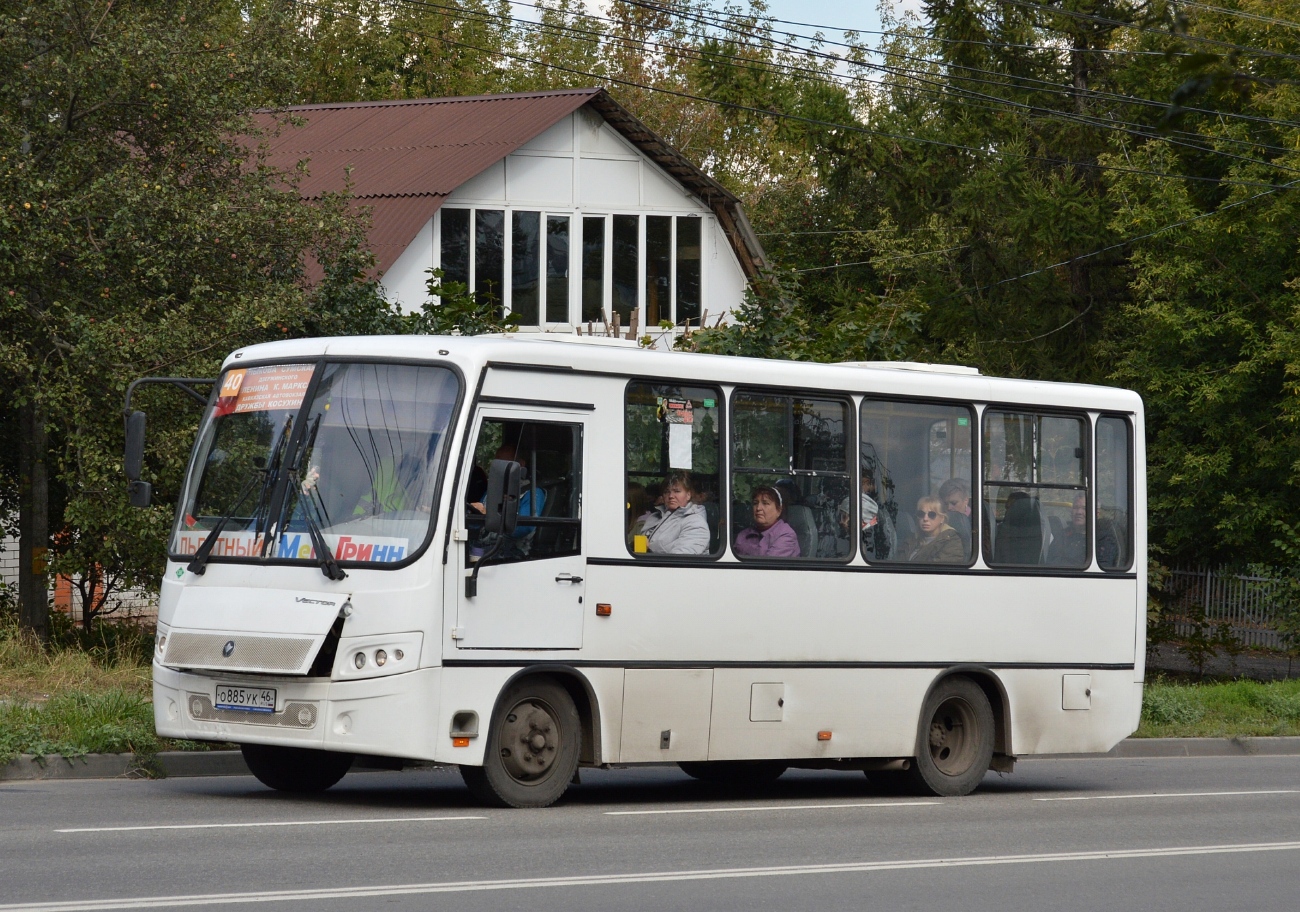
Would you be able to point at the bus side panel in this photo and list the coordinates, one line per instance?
(476, 689)
(768, 713)
(1105, 709)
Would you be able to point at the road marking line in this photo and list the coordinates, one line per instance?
(1172, 795)
(269, 823)
(604, 880)
(773, 807)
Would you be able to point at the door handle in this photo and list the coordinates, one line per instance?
(568, 578)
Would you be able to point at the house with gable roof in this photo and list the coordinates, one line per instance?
(560, 205)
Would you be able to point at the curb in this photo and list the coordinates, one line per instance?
(181, 764)
(1133, 748)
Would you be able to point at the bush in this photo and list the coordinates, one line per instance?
(1165, 704)
(76, 723)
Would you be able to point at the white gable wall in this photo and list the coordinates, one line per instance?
(580, 166)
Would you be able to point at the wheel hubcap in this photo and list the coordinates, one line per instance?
(530, 739)
(953, 736)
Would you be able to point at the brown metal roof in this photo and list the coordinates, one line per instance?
(404, 157)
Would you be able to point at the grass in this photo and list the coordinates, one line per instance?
(1223, 709)
(79, 695)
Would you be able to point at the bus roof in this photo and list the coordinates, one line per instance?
(596, 354)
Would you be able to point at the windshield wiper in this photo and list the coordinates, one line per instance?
(324, 556)
(198, 564)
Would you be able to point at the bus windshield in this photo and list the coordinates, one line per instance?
(354, 449)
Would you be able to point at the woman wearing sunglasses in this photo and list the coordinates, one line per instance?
(937, 542)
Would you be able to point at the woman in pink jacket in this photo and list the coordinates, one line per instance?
(771, 535)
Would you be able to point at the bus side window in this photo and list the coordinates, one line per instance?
(914, 502)
(1035, 490)
(790, 476)
(1114, 493)
(673, 440)
(550, 456)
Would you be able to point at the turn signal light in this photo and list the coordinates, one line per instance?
(460, 742)
(604, 609)
(823, 736)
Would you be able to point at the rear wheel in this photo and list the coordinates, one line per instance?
(532, 748)
(295, 769)
(955, 743)
(735, 772)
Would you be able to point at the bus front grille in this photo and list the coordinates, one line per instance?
(296, 714)
(237, 652)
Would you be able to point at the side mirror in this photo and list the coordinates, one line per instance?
(502, 501)
(134, 446)
(140, 493)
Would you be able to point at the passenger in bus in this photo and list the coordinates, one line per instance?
(1069, 547)
(936, 542)
(770, 535)
(679, 525)
(955, 496)
(879, 535)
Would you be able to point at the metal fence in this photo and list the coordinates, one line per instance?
(1210, 597)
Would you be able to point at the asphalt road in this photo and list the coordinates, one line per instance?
(1151, 834)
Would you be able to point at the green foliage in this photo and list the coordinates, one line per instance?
(139, 237)
(1220, 710)
(75, 723)
(452, 309)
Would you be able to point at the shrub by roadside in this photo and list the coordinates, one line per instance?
(1225, 709)
(79, 695)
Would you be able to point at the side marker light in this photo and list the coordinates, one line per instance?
(460, 742)
(604, 609)
(823, 736)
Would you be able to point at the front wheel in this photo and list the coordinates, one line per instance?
(532, 748)
(295, 769)
(955, 743)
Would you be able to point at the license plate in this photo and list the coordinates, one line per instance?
(249, 699)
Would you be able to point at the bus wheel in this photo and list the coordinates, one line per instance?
(955, 742)
(295, 769)
(532, 748)
(735, 772)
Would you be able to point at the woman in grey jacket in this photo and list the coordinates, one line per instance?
(678, 526)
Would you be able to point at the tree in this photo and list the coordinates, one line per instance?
(138, 220)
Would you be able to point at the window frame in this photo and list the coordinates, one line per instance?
(852, 473)
(1087, 487)
(1130, 456)
(976, 410)
(537, 522)
(724, 462)
(320, 362)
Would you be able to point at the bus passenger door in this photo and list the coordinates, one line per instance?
(531, 583)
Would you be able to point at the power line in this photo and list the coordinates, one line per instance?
(853, 128)
(875, 260)
(1116, 246)
(1240, 14)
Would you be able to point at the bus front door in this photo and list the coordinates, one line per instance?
(530, 583)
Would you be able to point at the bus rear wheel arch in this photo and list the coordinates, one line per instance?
(533, 744)
(955, 738)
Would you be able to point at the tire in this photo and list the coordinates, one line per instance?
(295, 769)
(532, 748)
(954, 744)
(735, 772)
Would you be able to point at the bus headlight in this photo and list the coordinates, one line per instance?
(374, 656)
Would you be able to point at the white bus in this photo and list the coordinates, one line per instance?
(524, 557)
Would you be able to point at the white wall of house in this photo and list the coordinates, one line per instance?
(582, 168)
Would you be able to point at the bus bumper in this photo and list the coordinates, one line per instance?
(385, 716)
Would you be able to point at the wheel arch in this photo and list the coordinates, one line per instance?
(996, 693)
(584, 698)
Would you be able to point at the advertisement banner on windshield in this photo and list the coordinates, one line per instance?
(298, 546)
